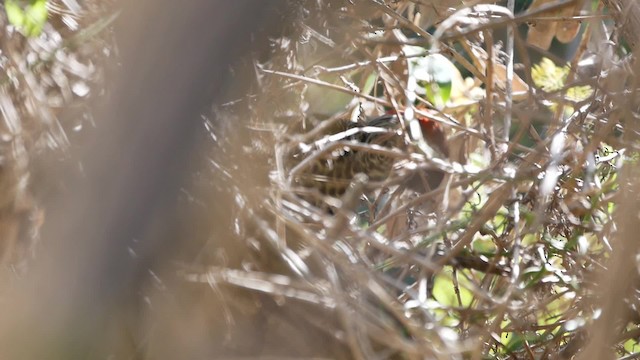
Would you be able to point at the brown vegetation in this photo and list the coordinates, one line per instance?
(192, 233)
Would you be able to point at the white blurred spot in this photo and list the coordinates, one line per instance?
(80, 88)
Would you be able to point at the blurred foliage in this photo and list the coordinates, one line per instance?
(52, 61)
(29, 18)
(550, 77)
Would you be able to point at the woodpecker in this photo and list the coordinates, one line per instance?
(345, 154)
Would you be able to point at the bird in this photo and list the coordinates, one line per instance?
(345, 148)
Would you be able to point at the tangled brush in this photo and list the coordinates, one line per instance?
(441, 186)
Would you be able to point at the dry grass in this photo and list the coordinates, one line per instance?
(507, 258)
(502, 259)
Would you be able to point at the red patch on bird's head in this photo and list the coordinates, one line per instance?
(434, 135)
(432, 131)
(429, 126)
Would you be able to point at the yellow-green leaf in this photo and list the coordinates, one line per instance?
(29, 19)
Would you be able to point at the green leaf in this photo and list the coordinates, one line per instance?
(435, 74)
(438, 93)
(484, 245)
(517, 341)
(549, 77)
(14, 13)
(28, 20)
(445, 293)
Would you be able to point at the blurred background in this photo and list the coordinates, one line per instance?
(319, 179)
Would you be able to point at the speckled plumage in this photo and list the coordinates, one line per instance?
(332, 172)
